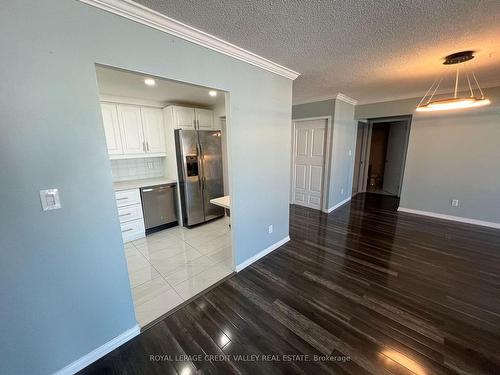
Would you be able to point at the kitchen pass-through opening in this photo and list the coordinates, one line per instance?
(167, 143)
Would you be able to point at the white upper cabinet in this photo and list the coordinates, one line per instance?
(133, 131)
(129, 117)
(204, 118)
(154, 130)
(111, 128)
(192, 118)
(183, 117)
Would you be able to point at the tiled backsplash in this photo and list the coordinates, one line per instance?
(134, 169)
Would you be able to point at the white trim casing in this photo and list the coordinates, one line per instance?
(99, 352)
(338, 205)
(141, 14)
(450, 217)
(346, 99)
(259, 255)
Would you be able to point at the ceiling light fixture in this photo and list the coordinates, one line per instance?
(212, 93)
(150, 82)
(428, 104)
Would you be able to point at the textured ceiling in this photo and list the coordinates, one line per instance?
(369, 50)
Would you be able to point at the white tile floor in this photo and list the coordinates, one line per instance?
(171, 266)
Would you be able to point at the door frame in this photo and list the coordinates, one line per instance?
(365, 152)
(326, 161)
(362, 155)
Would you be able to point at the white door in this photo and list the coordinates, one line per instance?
(395, 157)
(111, 128)
(183, 118)
(309, 161)
(154, 131)
(204, 118)
(129, 117)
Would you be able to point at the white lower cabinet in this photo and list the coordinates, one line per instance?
(133, 230)
(130, 214)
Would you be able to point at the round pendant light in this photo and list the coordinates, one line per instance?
(428, 103)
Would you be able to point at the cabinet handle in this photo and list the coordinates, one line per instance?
(127, 214)
(127, 230)
(147, 146)
(194, 124)
(121, 199)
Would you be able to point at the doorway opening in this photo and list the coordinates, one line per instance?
(167, 143)
(380, 158)
(310, 150)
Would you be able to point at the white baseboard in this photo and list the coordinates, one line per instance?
(337, 205)
(99, 352)
(264, 252)
(450, 217)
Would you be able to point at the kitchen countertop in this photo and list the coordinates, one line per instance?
(224, 201)
(136, 184)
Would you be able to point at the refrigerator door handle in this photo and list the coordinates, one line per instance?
(200, 164)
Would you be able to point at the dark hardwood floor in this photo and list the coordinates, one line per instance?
(364, 290)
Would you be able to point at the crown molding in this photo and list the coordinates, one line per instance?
(339, 96)
(346, 99)
(132, 101)
(141, 14)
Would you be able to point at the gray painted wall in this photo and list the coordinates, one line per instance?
(344, 144)
(63, 273)
(451, 155)
(386, 109)
(343, 139)
(315, 109)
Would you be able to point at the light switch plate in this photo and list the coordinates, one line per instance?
(50, 199)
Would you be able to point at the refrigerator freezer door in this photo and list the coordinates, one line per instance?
(213, 187)
(190, 174)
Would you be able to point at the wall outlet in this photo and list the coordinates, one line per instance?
(150, 164)
(454, 203)
(350, 152)
(342, 191)
(270, 229)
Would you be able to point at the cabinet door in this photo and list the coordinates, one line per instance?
(111, 128)
(183, 118)
(129, 117)
(205, 118)
(154, 130)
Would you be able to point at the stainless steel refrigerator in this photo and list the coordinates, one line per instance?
(199, 165)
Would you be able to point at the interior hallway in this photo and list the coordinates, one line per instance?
(396, 293)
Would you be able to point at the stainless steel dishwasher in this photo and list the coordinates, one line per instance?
(159, 207)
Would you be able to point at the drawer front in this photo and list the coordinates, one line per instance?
(127, 197)
(132, 230)
(129, 213)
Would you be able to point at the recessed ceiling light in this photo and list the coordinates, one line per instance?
(150, 82)
(212, 93)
